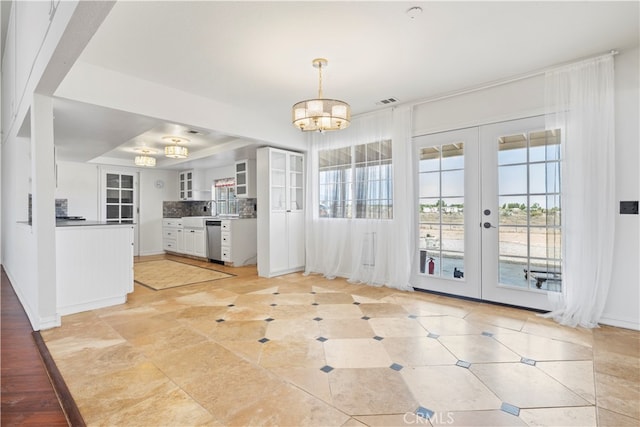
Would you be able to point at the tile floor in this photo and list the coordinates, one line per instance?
(303, 350)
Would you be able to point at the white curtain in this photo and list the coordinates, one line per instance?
(580, 102)
(373, 251)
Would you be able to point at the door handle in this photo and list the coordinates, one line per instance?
(488, 225)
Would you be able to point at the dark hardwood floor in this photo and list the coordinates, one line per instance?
(28, 398)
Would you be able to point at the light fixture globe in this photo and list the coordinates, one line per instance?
(145, 161)
(321, 114)
(176, 151)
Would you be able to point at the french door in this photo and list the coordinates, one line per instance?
(119, 199)
(489, 213)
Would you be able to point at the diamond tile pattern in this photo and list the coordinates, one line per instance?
(295, 349)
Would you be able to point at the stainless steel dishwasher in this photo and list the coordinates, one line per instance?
(214, 241)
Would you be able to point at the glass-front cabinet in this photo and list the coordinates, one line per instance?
(185, 185)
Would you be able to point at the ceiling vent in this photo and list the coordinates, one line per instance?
(387, 101)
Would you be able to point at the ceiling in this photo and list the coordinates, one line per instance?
(257, 56)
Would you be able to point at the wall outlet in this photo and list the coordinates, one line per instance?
(629, 208)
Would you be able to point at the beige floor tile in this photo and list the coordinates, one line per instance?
(227, 389)
(549, 328)
(412, 303)
(370, 391)
(163, 358)
(356, 353)
(91, 362)
(541, 348)
(618, 395)
(496, 319)
(255, 299)
(242, 330)
(608, 418)
(352, 422)
(478, 349)
(617, 365)
(282, 312)
(294, 354)
(292, 329)
(312, 380)
(197, 361)
(449, 388)
(345, 328)
(167, 340)
(525, 386)
(450, 325)
(339, 311)
(397, 327)
(103, 395)
(575, 375)
(383, 310)
(248, 350)
(584, 416)
(294, 298)
(215, 297)
(168, 408)
(418, 351)
(288, 406)
(333, 298)
(409, 418)
(248, 312)
(480, 419)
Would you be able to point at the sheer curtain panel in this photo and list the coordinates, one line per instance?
(579, 101)
(359, 192)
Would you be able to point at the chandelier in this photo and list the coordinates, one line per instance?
(176, 151)
(144, 159)
(321, 114)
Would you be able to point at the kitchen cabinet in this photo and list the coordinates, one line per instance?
(172, 234)
(185, 185)
(195, 242)
(192, 185)
(280, 193)
(245, 171)
(239, 241)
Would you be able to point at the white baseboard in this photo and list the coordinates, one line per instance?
(33, 317)
(633, 324)
(92, 305)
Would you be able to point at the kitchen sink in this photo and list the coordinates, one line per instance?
(196, 221)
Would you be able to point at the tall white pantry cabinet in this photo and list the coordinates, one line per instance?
(280, 192)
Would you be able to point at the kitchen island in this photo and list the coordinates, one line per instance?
(94, 265)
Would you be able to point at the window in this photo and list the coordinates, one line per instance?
(356, 182)
(441, 210)
(530, 207)
(224, 194)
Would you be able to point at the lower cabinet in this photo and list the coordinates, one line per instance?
(188, 241)
(238, 240)
(195, 242)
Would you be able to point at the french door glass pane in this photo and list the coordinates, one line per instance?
(127, 181)
(113, 180)
(441, 210)
(529, 200)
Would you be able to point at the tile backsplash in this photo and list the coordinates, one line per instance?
(180, 208)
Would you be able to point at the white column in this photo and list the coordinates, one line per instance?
(44, 222)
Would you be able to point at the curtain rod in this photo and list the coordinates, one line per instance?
(612, 52)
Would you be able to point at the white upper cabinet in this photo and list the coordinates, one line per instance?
(245, 171)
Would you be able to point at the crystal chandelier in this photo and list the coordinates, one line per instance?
(321, 114)
(144, 159)
(176, 151)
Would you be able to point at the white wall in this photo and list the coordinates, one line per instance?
(525, 98)
(623, 302)
(79, 184)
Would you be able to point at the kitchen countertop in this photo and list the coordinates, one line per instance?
(86, 223)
